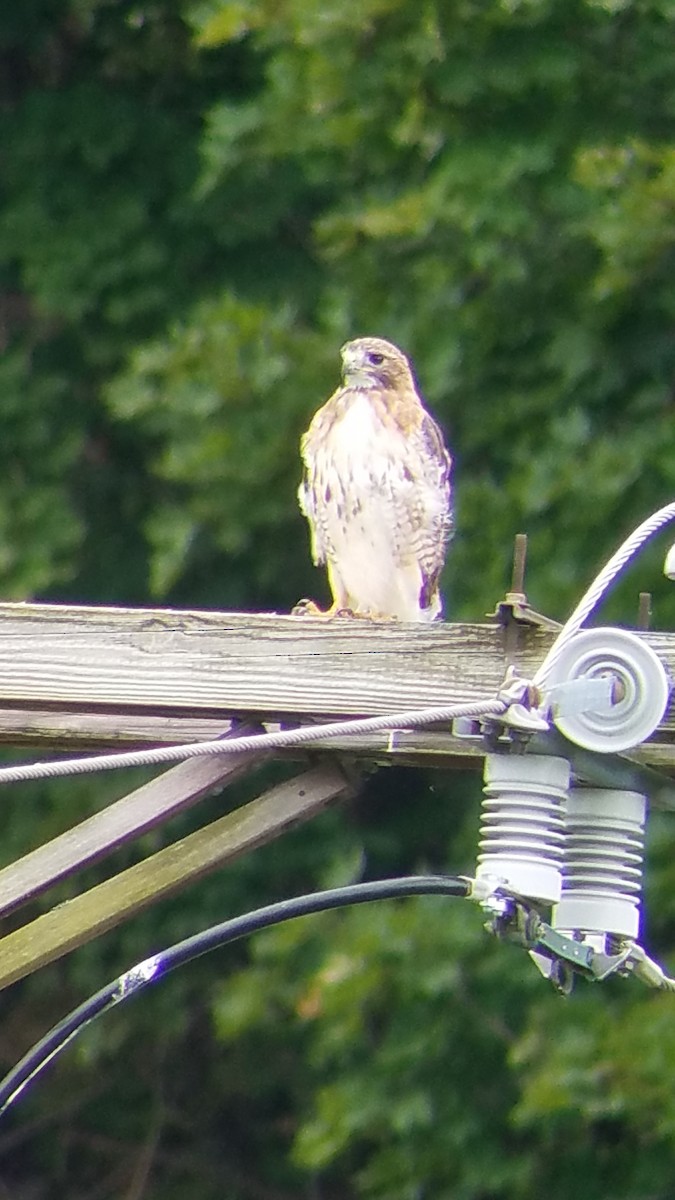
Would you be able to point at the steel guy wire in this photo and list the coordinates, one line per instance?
(284, 738)
(600, 585)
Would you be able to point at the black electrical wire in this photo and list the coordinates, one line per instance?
(159, 965)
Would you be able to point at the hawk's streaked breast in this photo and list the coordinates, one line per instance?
(376, 490)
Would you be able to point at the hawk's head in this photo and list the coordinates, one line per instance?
(372, 362)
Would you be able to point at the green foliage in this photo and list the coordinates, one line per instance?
(473, 183)
(199, 202)
(218, 401)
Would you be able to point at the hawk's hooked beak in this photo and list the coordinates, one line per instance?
(356, 369)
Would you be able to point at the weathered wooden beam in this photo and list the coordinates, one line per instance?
(202, 664)
(94, 912)
(101, 677)
(75, 726)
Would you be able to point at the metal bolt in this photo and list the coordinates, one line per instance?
(519, 561)
(644, 615)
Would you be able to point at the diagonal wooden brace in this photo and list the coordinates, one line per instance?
(108, 904)
(120, 822)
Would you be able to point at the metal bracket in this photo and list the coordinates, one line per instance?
(568, 698)
(559, 957)
(514, 608)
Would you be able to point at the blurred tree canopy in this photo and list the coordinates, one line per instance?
(199, 202)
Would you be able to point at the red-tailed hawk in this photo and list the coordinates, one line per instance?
(376, 489)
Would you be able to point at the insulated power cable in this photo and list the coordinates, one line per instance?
(153, 969)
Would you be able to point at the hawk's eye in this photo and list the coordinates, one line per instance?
(375, 358)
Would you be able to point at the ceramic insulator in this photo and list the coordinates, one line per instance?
(602, 873)
(522, 824)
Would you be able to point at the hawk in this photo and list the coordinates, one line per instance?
(376, 489)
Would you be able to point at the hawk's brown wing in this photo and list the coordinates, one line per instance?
(437, 467)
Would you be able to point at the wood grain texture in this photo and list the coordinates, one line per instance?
(221, 664)
(101, 677)
(101, 908)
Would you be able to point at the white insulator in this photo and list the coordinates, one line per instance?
(641, 689)
(522, 823)
(602, 876)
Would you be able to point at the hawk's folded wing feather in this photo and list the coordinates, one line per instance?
(437, 465)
